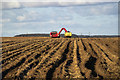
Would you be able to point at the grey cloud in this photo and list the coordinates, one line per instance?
(16, 4)
(99, 9)
(10, 5)
(23, 15)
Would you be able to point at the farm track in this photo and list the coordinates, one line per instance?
(36, 58)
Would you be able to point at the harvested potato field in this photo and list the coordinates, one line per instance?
(53, 58)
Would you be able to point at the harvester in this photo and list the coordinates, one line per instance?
(54, 34)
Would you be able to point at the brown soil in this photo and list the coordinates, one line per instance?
(64, 58)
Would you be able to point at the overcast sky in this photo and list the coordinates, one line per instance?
(98, 18)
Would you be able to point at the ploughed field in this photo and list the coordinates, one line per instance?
(51, 58)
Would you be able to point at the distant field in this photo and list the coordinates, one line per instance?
(35, 57)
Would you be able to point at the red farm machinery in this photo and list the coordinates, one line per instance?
(54, 34)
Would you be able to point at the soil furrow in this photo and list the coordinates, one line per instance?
(13, 67)
(107, 53)
(59, 58)
(62, 71)
(74, 68)
(20, 53)
(84, 56)
(17, 46)
(27, 68)
(14, 47)
(90, 64)
(29, 73)
(32, 51)
(85, 49)
(49, 74)
(18, 50)
(39, 48)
